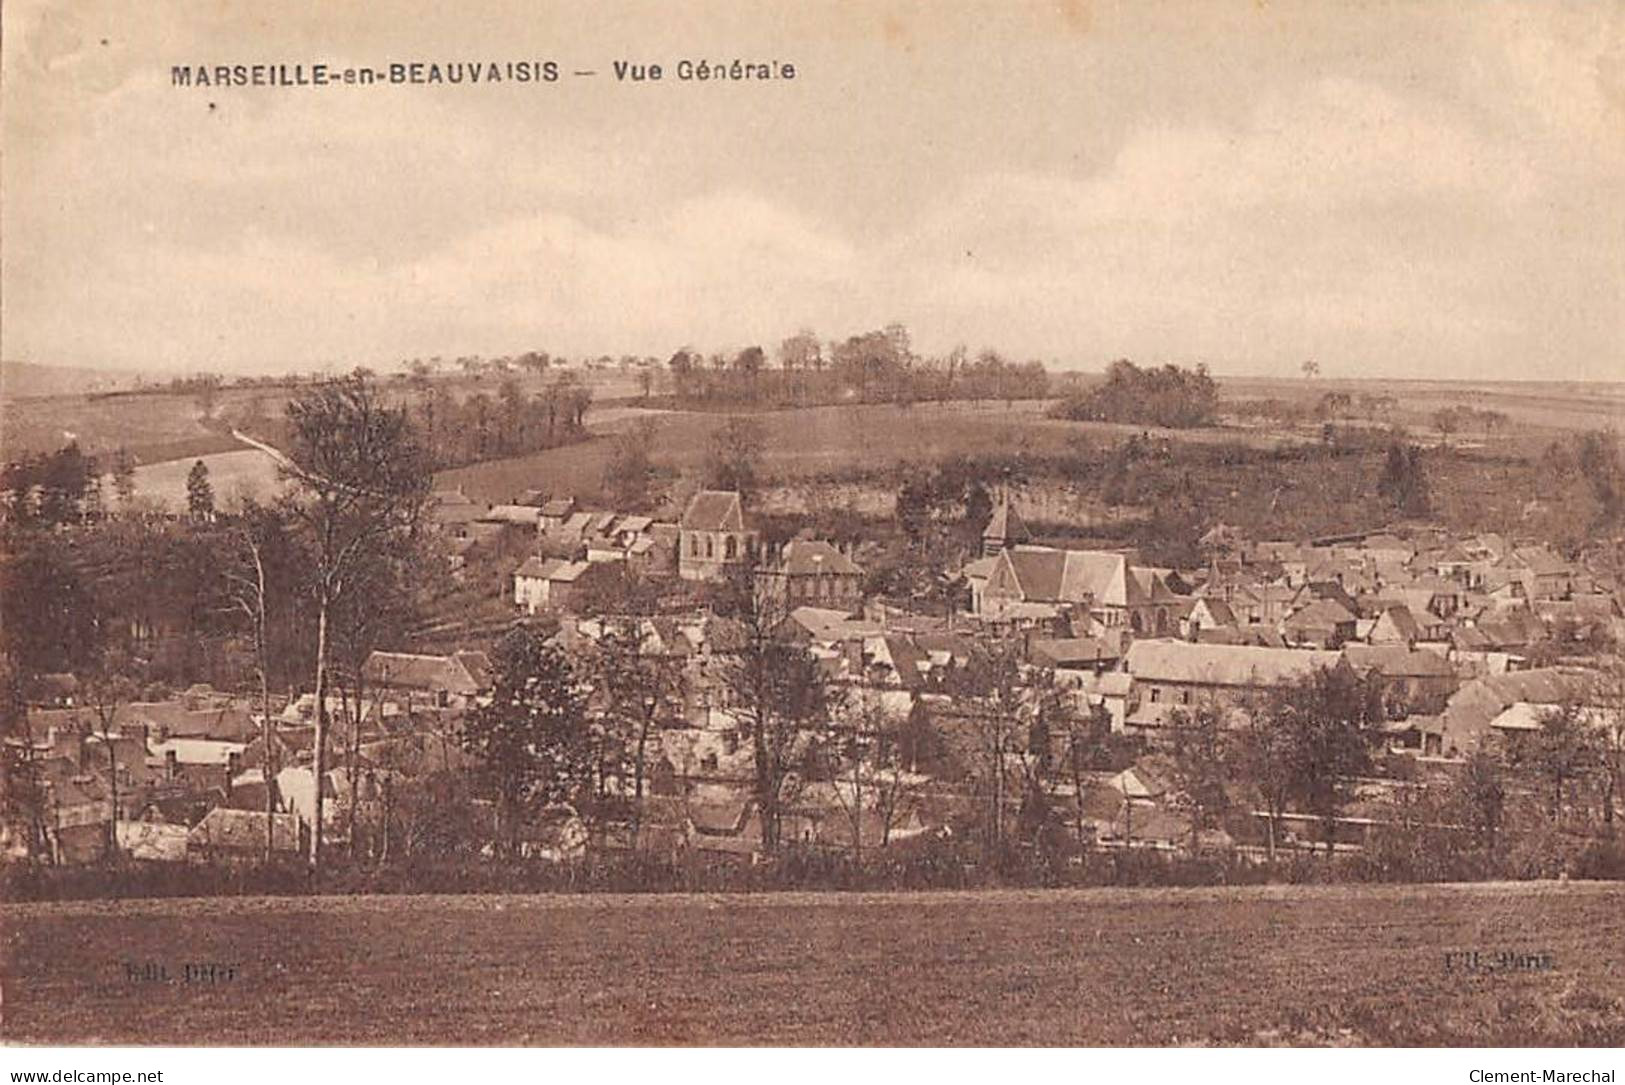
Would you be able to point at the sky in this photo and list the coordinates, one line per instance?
(1391, 189)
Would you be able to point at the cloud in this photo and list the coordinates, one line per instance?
(1454, 208)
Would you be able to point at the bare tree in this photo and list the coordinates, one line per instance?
(778, 693)
(992, 699)
(867, 736)
(637, 687)
(108, 688)
(361, 479)
(248, 587)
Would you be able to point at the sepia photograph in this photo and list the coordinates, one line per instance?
(828, 525)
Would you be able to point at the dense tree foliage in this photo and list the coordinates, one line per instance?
(531, 738)
(1168, 395)
(878, 366)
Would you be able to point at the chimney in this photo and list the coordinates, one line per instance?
(171, 765)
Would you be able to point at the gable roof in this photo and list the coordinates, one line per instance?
(1401, 621)
(526, 515)
(1321, 614)
(224, 827)
(411, 671)
(227, 721)
(1397, 661)
(1058, 652)
(807, 557)
(1047, 575)
(1223, 664)
(714, 510)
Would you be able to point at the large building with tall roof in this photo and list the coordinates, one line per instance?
(1102, 585)
(713, 537)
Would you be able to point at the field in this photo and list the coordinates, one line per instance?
(243, 473)
(1544, 406)
(1339, 964)
(805, 442)
(155, 426)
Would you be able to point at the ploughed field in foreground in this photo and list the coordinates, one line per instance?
(1340, 964)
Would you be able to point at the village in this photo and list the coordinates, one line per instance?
(1058, 702)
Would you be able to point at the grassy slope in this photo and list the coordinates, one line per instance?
(1278, 964)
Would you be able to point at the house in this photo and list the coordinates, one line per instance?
(221, 721)
(531, 582)
(443, 681)
(1095, 654)
(1465, 722)
(552, 584)
(1544, 575)
(51, 691)
(525, 516)
(713, 537)
(1324, 623)
(1179, 673)
(226, 834)
(813, 573)
(1385, 549)
(1206, 613)
(555, 512)
(152, 841)
(1395, 625)
(822, 626)
(1421, 680)
(453, 512)
(1099, 584)
(1108, 692)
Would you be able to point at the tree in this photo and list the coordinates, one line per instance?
(1311, 369)
(378, 609)
(1610, 734)
(1305, 741)
(1598, 459)
(107, 689)
(735, 450)
(1563, 750)
(1166, 395)
(1090, 747)
(1200, 757)
(22, 799)
(629, 472)
(259, 532)
(124, 476)
(199, 493)
(531, 739)
(866, 740)
(1447, 420)
(637, 688)
(361, 479)
(776, 690)
(1480, 792)
(52, 621)
(992, 700)
(801, 351)
(1404, 482)
(1327, 716)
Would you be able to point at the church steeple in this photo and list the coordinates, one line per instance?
(1005, 529)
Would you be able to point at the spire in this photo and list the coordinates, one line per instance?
(1005, 529)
